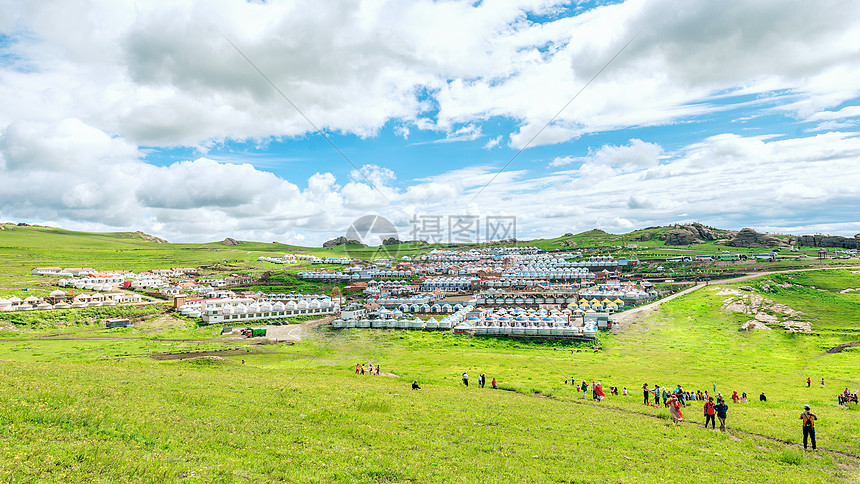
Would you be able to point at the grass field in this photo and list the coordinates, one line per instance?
(71, 411)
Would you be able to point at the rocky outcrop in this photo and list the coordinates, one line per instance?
(643, 237)
(229, 241)
(830, 241)
(150, 238)
(686, 234)
(680, 237)
(750, 238)
(568, 243)
(340, 241)
(391, 241)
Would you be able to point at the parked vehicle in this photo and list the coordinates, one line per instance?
(254, 332)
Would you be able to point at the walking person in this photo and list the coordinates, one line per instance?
(584, 388)
(482, 380)
(656, 395)
(675, 409)
(808, 419)
(494, 383)
(465, 379)
(822, 383)
(709, 413)
(721, 408)
(808, 382)
(598, 392)
(645, 394)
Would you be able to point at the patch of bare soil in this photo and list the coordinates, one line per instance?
(160, 323)
(197, 354)
(850, 289)
(838, 349)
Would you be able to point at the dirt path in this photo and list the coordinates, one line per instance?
(641, 311)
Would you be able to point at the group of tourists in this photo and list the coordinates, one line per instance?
(359, 369)
(682, 396)
(482, 380)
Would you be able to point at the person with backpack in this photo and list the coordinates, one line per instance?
(808, 419)
(721, 408)
(709, 413)
(656, 395)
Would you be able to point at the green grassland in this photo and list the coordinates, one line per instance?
(100, 411)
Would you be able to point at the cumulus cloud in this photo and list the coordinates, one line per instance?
(86, 87)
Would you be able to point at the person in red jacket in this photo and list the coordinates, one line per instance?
(709, 413)
(735, 397)
(675, 408)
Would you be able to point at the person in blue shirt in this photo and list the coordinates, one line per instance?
(721, 409)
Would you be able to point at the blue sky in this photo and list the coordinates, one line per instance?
(144, 117)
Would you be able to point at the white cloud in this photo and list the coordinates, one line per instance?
(94, 83)
(493, 142)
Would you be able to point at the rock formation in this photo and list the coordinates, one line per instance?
(750, 238)
(150, 238)
(686, 234)
(229, 241)
(830, 241)
(340, 241)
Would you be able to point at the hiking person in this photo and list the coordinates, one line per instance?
(494, 383)
(675, 409)
(715, 386)
(415, 385)
(808, 419)
(762, 398)
(645, 394)
(584, 388)
(721, 408)
(665, 397)
(370, 368)
(808, 382)
(822, 383)
(362, 369)
(709, 413)
(482, 380)
(465, 378)
(356, 368)
(598, 392)
(735, 397)
(656, 395)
